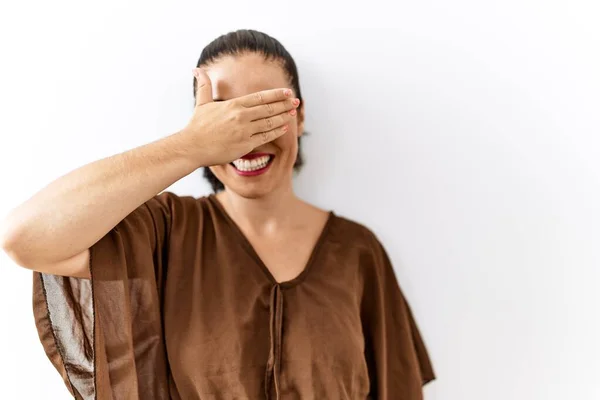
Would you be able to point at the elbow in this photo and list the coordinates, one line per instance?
(6, 236)
(12, 243)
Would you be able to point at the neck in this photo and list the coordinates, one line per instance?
(264, 214)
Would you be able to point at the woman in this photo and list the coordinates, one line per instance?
(249, 293)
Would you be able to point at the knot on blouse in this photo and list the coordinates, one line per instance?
(275, 329)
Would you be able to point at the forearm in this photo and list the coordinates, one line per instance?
(77, 209)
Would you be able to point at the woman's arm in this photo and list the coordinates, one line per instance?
(52, 231)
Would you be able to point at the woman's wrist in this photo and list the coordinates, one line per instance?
(191, 149)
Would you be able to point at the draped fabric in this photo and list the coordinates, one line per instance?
(180, 306)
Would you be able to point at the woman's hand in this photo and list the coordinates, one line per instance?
(227, 130)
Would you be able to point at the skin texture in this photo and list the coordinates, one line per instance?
(281, 227)
(53, 230)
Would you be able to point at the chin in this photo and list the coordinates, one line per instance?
(256, 174)
(249, 191)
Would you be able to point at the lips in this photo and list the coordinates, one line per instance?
(253, 164)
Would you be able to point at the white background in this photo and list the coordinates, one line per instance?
(464, 133)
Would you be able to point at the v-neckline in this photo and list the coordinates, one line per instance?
(253, 253)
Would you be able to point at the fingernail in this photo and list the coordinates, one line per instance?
(296, 102)
(293, 112)
(285, 128)
(287, 92)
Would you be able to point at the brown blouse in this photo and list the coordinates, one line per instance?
(180, 306)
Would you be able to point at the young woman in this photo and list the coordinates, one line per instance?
(249, 293)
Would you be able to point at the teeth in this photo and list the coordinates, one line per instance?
(252, 165)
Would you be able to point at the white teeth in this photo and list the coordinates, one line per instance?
(252, 165)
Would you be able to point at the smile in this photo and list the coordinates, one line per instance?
(253, 164)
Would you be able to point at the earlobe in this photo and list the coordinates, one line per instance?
(300, 119)
(300, 128)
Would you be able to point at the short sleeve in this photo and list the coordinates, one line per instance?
(104, 335)
(398, 361)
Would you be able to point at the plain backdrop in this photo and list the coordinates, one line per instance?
(464, 133)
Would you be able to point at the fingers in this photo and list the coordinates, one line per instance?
(203, 87)
(268, 136)
(269, 123)
(271, 109)
(265, 97)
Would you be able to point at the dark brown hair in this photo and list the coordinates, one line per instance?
(245, 41)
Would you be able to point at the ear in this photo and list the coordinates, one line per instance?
(300, 119)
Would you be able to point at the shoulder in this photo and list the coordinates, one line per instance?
(178, 210)
(171, 202)
(360, 246)
(354, 233)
